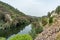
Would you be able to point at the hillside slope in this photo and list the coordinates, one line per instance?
(12, 20)
(50, 31)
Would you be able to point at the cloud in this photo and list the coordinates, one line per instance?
(34, 7)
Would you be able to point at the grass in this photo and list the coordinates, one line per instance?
(58, 36)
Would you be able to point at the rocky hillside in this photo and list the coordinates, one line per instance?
(51, 30)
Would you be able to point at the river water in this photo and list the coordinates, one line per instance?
(26, 30)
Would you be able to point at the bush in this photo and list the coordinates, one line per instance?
(50, 20)
(39, 29)
(36, 28)
(49, 14)
(21, 37)
(44, 21)
(58, 10)
(33, 33)
(1, 38)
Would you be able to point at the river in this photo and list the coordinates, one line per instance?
(25, 30)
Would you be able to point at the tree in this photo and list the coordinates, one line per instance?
(57, 10)
(49, 14)
(50, 20)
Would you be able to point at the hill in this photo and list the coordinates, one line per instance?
(12, 20)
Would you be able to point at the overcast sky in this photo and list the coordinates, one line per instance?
(34, 7)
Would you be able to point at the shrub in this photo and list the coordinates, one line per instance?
(21, 37)
(44, 21)
(36, 28)
(49, 14)
(50, 20)
(58, 10)
(39, 29)
(33, 33)
(1, 38)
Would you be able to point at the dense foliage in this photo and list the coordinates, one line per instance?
(33, 33)
(12, 20)
(50, 20)
(1, 38)
(44, 20)
(21, 37)
(36, 29)
(19, 20)
(49, 14)
(58, 10)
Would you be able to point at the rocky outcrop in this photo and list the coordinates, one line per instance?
(8, 18)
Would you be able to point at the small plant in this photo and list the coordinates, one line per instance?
(21, 37)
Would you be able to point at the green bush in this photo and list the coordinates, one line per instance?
(33, 33)
(44, 20)
(50, 20)
(57, 10)
(21, 37)
(1, 38)
(36, 29)
(49, 14)
(39, 29)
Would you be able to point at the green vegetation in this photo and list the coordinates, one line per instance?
(19, 20)
(21, 37)
(36, 29)
(49, 14)
(50, 20)
(44, 20)
(12, 21)
(58, 10)
(1, 38)
(39, 29)
(10, 8)
(33, 33)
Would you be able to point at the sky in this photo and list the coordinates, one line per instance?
(34, 7)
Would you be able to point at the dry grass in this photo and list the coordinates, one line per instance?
(58, 36)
